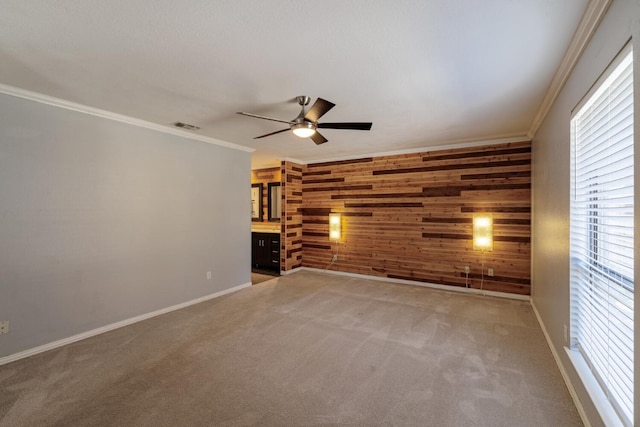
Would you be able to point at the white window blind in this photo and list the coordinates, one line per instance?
(602, 265)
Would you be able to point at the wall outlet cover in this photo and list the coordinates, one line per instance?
(4, 327)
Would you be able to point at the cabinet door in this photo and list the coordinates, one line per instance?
(260, 255)
(265, 251)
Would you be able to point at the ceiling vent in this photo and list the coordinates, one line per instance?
(186, 126)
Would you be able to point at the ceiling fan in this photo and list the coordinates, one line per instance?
(306, 124)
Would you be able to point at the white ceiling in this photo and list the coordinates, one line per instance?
(426, 73)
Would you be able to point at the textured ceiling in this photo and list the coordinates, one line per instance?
(426, 73)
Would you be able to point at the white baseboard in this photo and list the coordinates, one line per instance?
(563, 372)
(284, 273)
(416, 283)
(50, 346)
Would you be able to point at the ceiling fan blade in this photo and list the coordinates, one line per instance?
(264, 118)
(318, 109)
(272, 133)
(318, 139)
(346, 125)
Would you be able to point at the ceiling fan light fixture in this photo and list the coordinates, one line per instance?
(304, 129)
(305, 125)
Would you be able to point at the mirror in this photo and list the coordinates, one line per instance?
(256, 202)
(275, 201)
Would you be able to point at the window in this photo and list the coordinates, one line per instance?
(602, 264)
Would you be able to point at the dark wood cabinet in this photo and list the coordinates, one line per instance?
(265, 251)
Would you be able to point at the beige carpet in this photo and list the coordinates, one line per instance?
(304, 349)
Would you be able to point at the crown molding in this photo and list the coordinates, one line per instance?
(594, 13)
(292, 160)
(448, 146)
(68, 105)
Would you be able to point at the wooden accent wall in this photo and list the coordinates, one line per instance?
(291, 219)
(265, 176)
(409, 216)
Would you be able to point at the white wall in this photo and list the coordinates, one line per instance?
(102, 221)
(550, 235)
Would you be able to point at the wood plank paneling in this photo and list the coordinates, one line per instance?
(292, 243)
(409, 216)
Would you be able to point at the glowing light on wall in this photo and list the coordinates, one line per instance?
(483, 232)
(334, 226)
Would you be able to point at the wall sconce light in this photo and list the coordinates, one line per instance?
(334, 226)
(483, 232)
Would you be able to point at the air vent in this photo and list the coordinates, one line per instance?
(185, 126)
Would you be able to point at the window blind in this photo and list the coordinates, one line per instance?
(601, 234)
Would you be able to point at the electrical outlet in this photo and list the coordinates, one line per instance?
(490, 272)
(4, 327)
(335, 258)
(467, 269)
(208, 275)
